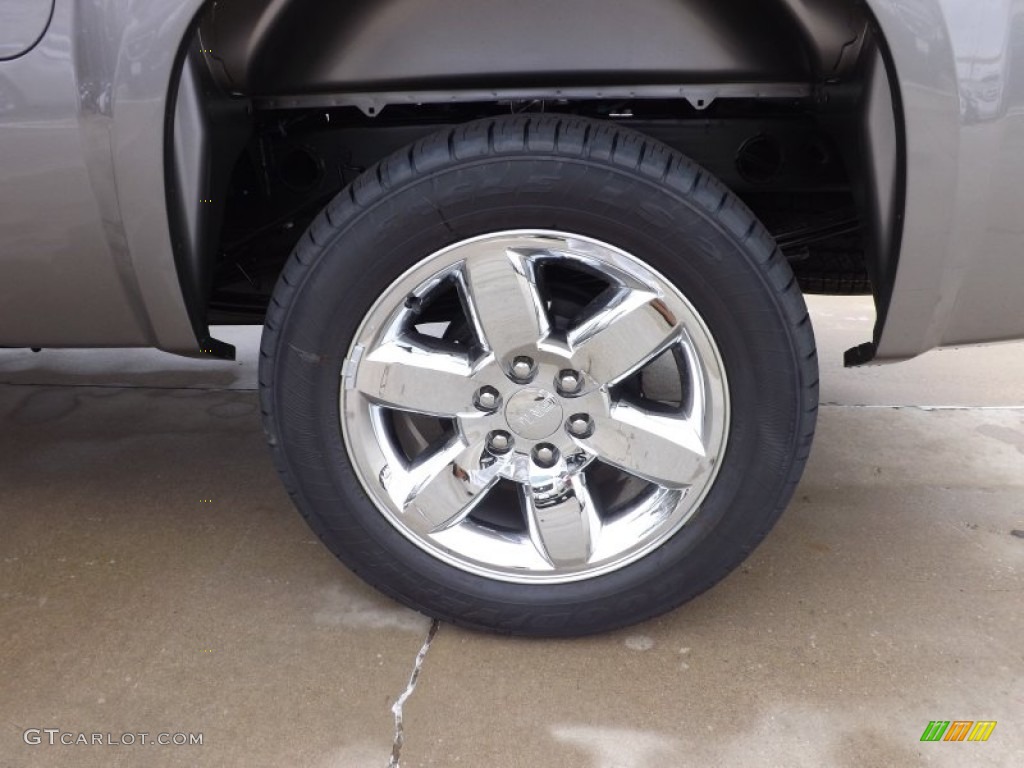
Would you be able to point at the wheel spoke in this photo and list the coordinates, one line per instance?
(632, 328)
(665, 450)
(441, 490)
(503, 300)
(564, 524)
(407, 376)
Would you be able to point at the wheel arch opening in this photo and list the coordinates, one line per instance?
(289, 100)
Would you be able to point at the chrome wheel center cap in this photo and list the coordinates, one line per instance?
(533, 413)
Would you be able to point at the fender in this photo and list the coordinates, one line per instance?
(85, 246)
(959, 272)
(126, 61)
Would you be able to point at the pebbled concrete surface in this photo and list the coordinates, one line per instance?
(154, 577)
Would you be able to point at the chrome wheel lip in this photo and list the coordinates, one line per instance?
(503, 556)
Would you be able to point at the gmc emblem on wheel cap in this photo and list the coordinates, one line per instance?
(534, 414)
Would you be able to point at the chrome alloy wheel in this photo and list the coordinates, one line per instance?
(535, 407)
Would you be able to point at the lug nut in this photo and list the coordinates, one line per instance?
(499, 442)
(523, 369)
(487, 399)
(581, 425)
(569, 382)
(545, 455)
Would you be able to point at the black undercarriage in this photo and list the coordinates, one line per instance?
(789, 160)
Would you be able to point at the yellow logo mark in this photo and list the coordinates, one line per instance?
(982, 730)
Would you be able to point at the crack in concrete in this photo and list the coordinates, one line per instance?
(399, 705)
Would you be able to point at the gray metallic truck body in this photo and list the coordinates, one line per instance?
(97, 150)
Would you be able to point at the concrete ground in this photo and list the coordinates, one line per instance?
(155, 578)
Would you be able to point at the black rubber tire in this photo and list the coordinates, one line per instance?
(555, 173)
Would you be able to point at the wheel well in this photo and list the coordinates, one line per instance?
(284, 102)
(414, 45)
